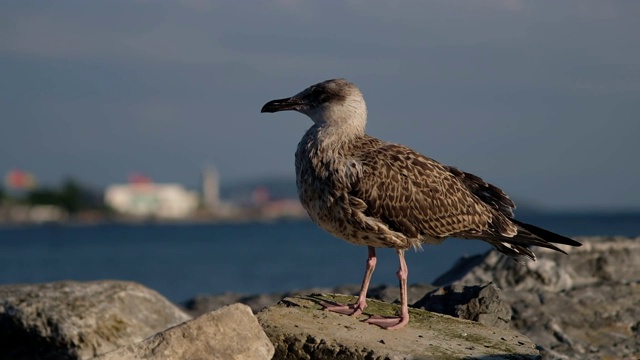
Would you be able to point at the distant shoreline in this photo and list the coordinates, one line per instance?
(150, 222)
(266, 219)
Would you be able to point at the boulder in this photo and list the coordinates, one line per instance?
(229, 333)
(598, 259)
(583, 305)
(590, 322)
(300, 329)
(79, 320)
(202, 304)
(481, 303)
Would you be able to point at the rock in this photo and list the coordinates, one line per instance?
(229, 333)
(79, 320)
(300, 329)
(577, 306)
(598, 259)
(481, 303)
(205, 303)
(590, 322)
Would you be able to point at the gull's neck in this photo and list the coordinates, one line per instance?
(340, 122)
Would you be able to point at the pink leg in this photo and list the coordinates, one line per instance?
(361, 304)
(392, 323)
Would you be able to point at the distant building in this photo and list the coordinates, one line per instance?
(210, 189)
(27, 214)
(166, 201)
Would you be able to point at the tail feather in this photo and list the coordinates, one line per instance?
(526, 239)
(546, 235)
(518, 245)
(516, 252)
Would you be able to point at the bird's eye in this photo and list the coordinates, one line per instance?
(321, 95)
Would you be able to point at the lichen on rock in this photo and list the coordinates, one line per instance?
(299, 328)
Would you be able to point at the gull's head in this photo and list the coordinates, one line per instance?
(332, 102)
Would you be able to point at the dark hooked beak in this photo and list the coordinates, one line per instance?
(291, 103)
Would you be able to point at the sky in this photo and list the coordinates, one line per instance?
(541, 98)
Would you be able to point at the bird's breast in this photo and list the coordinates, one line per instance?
(325, 177)
(323, 183)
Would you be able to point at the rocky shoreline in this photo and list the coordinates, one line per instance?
(580, 306)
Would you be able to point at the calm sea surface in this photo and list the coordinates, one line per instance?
(181, 261)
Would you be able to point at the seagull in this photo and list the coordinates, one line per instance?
(383, 195)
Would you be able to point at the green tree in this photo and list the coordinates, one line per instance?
(76, 197)
(43, 196)
(71, 196)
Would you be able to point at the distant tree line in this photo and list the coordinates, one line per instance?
(70, 196)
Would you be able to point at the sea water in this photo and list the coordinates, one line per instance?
(181, 261)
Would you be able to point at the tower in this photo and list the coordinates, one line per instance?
(210, 188)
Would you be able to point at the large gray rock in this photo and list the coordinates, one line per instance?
(583, 305)
(598, 259)
(590, 322)
(481, 303)
(229, 333)
(79, 320)
(300, 329)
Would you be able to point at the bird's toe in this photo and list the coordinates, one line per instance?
(389, 323)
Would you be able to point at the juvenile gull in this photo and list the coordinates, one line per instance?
(382, 195)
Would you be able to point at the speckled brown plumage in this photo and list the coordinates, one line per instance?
(369, 192)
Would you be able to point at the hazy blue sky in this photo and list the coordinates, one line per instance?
(541, 98)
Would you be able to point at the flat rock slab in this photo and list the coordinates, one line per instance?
(79, 320)
(300, 329)
(204, 303)
(229, 333)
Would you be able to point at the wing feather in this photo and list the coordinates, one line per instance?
(418, 196)
(488, 193)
